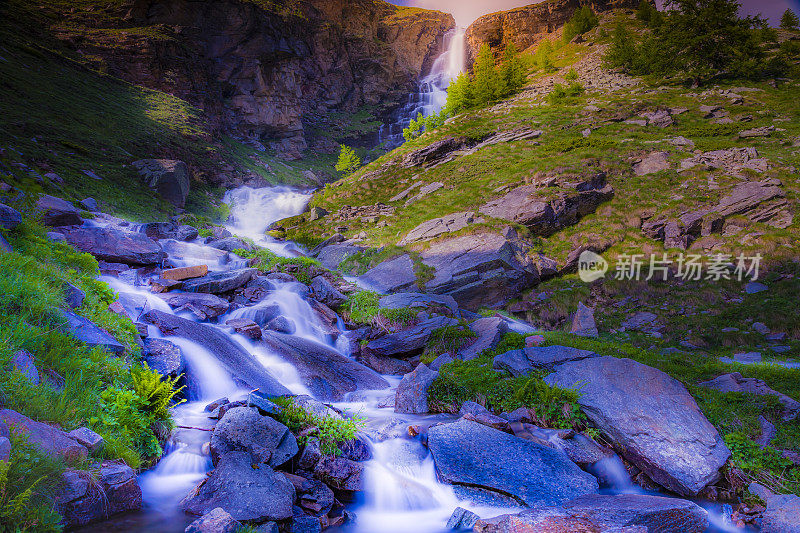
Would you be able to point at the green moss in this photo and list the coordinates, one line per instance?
(364, 308)
(303, 268)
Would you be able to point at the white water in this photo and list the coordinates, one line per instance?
(431, 95)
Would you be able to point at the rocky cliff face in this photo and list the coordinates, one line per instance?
(268, 71)
(525, 26)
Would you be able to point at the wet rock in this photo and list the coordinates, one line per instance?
(392, 275)
(651, 417)
(412, 392)
(221, 282)
(282, 324)
(195, 252)
(230, 244)
(246, 492)
(169, 178)
(236, 359)
(489, 332)
(340, 473)
(514, 362)
(91, 334)
(57, 212)
(310, 455)
(462, 519)
(326, 372)
(107, 489)
(215, 521)
(244, 429)
(730, 159)
(246, 327)
(782, 514)
(407, 342)
(184, 273)
(114, 245)
(583, 323)
(203, 306)
(478, 413)
(10, 218)
(357, 449)
(468, 453)
(735, 382)
(22, 361)
(88, 438)
(164, 357)
(324, 291)
(50, 439)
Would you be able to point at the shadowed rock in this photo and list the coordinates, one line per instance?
(114, 245)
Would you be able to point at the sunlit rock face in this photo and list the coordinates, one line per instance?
(271, 71)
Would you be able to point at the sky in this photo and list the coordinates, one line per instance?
(466, 11)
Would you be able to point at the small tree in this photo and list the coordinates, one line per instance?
(622, 51)
(790, 21)
(484, 83)
(459, 95)
(543, 56)
(348, 161)
(512, 72)
(582, 21)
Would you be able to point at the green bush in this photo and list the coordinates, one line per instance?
(553, 407)
(348, 161)
(267, 261)
(583, 20)
(447, 339)
(561, 93)
(331, 431)
(364, 308)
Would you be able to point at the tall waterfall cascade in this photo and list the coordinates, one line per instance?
(431, 95)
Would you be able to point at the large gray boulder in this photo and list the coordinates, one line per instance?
(437, 227)
(651, 417)
(114, 245)
(203, 306)
(416, 300)
(327, 373)
(57, 212)
(782, 514)
(340, 473)
(391, 276)
(412, 392)
(324, 291)
(247, 493)
(169, 178)
(489, 332)
(105, 490)
(236, 359)
(331, 256)
(10, 218)
(735, 382)
(245, 429)
(164, 357)
(220, 282)
(90, 334)
(50, 439)
(470, 454)
(407, 342)
(215, 521)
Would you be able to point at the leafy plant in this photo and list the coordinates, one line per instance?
(331, 431)
(364, 308)
(266, 261)
(348, 161)
(583, 20)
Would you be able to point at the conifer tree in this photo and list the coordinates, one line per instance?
(348, 160)
(790, 21)
(485, 77)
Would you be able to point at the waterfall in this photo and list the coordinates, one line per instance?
(431, 95)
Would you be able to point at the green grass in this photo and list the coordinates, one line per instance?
(331, 431)
(364, 308)
(303, 268)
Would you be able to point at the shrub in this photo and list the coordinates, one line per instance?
(348, 161)
(266, 261)
(583, 20)
(561, 93)
(553, 407)
(364, 308)
(790, 21)
(331, 431)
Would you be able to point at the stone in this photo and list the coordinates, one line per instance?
(233, 357)
(424, 191)
(230, 244)
(114, 245)
(88, 438)
(183, 273)
(471, 454)
(489, 332)
(660, 118)
(108, 489)
(22, 361)
(462, 519)
(247, 493)
(407, 342)
(169, 178)
(326, 372)
(282, 324)
(762, 131)
(438, 303)
(514, 362)
(310, 455)
(246, 327)
(186, 233)
(203, 306)
(435, 153)
(305, 524)
(436, 227)
(324, 291)
(220, 282)
(768, 432)
(90, 334)
(583, 323)
(412, 392)
(735, 382)
(5, 449)
(73, 296)
(244, 429)
(385, 365)
(439, 361)
(478, 413)
(10, 218)
(759, 490)
(215, 521)
(164, 357)
(392, 275)
(57, 212)
(782, 514)
(639, 320)
(50, 439)
(651, 417)
(340, 473)
(551, 356)
(652, 163)
(761, 328)
(316, 213)
(332, 256)
(754, 287)
(90, 204)
(747, 358)
(160, 285)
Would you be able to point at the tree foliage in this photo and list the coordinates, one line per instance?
(348, 161)
(790, 20)
(583, 20)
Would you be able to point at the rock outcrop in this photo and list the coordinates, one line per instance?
(169, 178)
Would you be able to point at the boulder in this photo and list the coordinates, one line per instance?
(435, 153)
(184, 273)
(462, 519)
(478, 413)
(114, 245)
(57, 212)
(489, 332)
(470, 454)
(550, 356)
(332, 256)
(651, 163)
(245, 429)
(484, 269)
(245, 327)
(164, 357)
(782, 514)
(650, 417)
(437, 227)
(438, 303)
(215, 521)
(247, 493)
(327, 373)
(90, 204)
(10, 218)
(340, 473)
(412, 392)
(391, 276)
(22, 361)
(407, 342)
(90, 334)
(107, 489)
(514, 362)
(73, 296)
(324, 291)
(233, 357)
(281, 324)
(386, 365)
(203, 306)
(221, 282)
(5, 449)
(49, 439)
(735, 382)
(88, 438)
(229, 244)
(169, 178)
(583, 323)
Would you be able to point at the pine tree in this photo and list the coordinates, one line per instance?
(543, 59)
(485, 78)
(512, 73)
(348, 160)
(459, 95)
(790, 20)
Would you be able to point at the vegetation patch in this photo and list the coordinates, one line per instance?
(364, 308)
(303, 268)
(331, 431)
